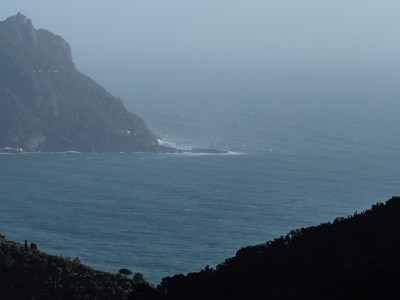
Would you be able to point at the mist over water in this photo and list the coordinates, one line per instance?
(289, 112)
(305, 94)
(307, 150)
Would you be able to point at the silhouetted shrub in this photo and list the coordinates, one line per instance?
(125, 272)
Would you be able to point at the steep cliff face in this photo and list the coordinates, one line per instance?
(47, 105)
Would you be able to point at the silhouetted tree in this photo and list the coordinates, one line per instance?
(125, 272)
(138, 277)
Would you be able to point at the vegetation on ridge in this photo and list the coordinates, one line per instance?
(26, 273)
(351, 258)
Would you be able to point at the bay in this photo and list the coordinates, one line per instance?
(300, 154)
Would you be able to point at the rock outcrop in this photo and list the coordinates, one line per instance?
(46, 104)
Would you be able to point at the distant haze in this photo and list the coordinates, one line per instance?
(307, 90)
(216, 35)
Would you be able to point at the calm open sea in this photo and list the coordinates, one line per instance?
(301, 154)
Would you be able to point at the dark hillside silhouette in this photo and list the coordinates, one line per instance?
(357, 257)
(352, 258)
(27, 273)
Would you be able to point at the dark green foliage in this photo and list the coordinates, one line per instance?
(138, 277)
(31, 274)
(33, 246)
(352, 258)
(76, 261)
(47, 105)
(125, 272)
(6, 260)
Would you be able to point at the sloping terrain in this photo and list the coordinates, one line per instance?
(352, 258)
(47, 105)
(27, 273)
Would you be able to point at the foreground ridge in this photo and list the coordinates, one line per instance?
(350, 258)
(357, 257)
(27, 273)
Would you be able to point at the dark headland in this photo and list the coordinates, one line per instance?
(357, 257)
(47, 105)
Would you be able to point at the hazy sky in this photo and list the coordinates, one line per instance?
(220, 34)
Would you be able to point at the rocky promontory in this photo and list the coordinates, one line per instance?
(47, 105)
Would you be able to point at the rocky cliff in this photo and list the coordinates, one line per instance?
(46, 104)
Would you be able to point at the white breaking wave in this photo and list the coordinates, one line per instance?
(72, 151)
(210, 154)
(174, 144)
(168, 142)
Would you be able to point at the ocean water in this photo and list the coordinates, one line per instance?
(302, 152)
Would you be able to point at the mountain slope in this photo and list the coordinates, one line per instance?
(47, 105)
(352, 258)
(27, 273)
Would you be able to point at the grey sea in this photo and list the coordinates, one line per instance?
(301, 152)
